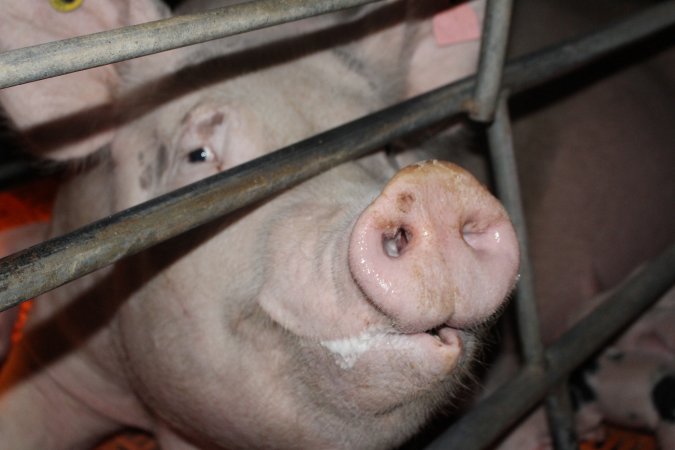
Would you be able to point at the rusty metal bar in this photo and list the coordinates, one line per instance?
(70, 55)
(482, 425)
(492, 56)
(57, 261)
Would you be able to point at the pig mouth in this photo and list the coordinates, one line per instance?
(444, 334)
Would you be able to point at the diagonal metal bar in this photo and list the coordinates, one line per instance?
(483, 424)
(70, 55)
(57, 261)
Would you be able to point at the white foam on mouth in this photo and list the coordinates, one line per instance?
(348, 350)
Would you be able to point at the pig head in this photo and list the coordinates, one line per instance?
(337, 314)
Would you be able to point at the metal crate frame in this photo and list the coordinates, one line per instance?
(483, 97)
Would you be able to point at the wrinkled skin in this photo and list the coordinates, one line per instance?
(264, 329)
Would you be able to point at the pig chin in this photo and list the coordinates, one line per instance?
(384, 372)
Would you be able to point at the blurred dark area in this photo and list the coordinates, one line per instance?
(16, 166)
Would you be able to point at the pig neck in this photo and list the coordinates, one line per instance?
(41, 400)
(40, 414)
(63, 372)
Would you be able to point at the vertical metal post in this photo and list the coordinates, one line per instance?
(487, 100)
(492, 56)
(506, 178)
(487, 106)
(561, 418)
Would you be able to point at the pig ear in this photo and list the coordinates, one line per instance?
(68, 116)
(434, 45)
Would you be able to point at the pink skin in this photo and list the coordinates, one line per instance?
(629, 369)
(252, 331)
(408, 258)
(230, 350)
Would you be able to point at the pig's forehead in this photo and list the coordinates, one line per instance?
(288, 99)
(241, 98)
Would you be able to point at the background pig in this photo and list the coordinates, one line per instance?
(337, 314)
(595, 155)
(585, 140)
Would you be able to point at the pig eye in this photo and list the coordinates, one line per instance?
(202, 154)
(65, 5)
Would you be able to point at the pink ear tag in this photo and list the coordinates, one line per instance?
(455, 25)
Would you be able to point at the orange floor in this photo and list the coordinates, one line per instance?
(621, 439)
(27, 204)
(129, 441)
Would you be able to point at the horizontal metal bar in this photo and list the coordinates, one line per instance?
(483, 424)
(59, 260)
(561, 419)
(70, 55)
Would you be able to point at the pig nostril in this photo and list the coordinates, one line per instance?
(395, 244)
(472, 235)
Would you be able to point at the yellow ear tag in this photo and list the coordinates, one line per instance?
(65, 5)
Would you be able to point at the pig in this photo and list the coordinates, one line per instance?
(339, 313)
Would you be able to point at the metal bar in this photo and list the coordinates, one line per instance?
(57, 261)
(483, 424)
(561, 418)
(492, 57)
(577, 52)
(70, 55)
(500, 140)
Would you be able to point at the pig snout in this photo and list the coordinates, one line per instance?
(434, 249)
